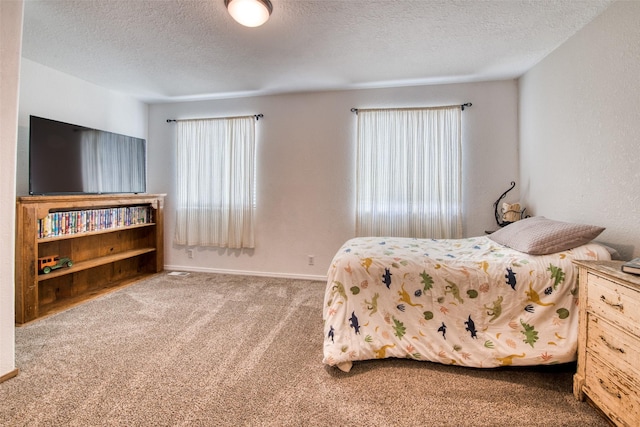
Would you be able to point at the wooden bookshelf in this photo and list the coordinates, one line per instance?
(104, 258)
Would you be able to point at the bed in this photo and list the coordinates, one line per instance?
(473, 302)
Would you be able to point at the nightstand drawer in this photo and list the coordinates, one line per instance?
(618, 347)
(608, 369)
(613, 391)
(614, 302)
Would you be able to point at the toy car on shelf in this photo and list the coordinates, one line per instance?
(49, 263)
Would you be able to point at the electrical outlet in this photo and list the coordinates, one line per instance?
(311, 259)
(190, 253)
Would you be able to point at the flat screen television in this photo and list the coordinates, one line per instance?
(71, 159)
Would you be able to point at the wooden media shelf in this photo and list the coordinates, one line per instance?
(112, 240)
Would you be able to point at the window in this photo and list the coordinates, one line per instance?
(409, 173)
(216, 182)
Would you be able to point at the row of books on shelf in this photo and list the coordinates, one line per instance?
(82, 221)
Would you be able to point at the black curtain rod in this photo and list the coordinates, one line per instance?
(257, 117)
(466, 104)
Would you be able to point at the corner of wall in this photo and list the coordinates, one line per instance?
(11, 14)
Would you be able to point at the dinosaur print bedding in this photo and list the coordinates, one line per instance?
(469, 302)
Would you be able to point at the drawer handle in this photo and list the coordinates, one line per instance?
(605, 388)
(612, 347)
(604, 299)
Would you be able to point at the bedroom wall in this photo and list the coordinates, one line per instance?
(305, 175)
(49, 93)
(580, 129)
(10, 44)
(305, 157)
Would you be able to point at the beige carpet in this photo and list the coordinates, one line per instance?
(219, 350)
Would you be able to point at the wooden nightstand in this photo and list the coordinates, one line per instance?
(609, 341)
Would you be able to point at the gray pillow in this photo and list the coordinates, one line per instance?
(541, 236)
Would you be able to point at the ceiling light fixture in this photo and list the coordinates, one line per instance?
(250, 13)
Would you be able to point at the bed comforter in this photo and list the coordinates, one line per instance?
(469, 302)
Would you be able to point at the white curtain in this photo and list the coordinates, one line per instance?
(409, 173)
(215, 182)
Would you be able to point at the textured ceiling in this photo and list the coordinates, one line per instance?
(164, 50)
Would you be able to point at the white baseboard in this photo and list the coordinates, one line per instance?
(246, 273)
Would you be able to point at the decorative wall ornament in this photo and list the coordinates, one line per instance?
(509, 212)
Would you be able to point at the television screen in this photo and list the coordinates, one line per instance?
(68, 159)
